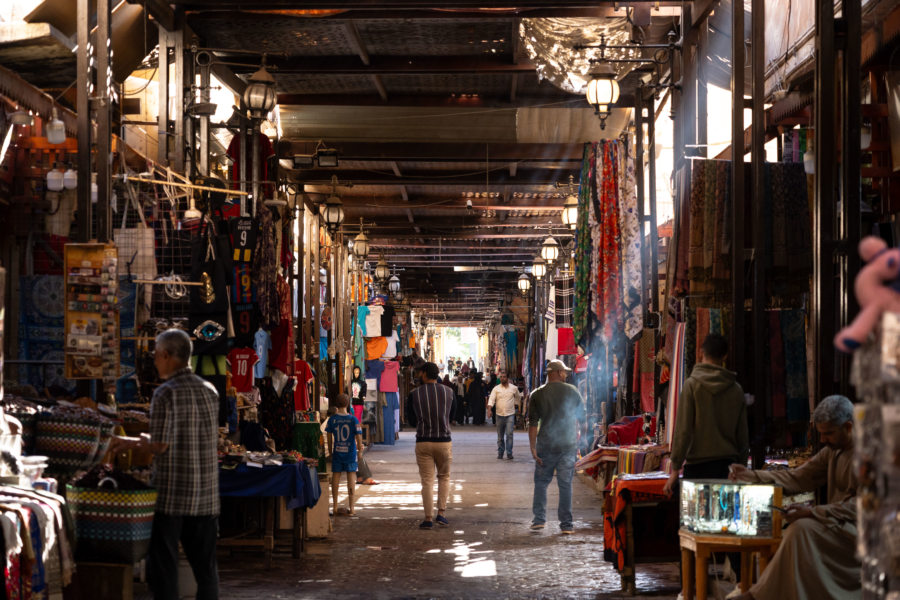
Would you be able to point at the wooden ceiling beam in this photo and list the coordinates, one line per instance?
(443, 151)
(469, 178)
(558, 97)
(667, 8)
(390, 65)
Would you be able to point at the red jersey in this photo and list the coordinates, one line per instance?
(241, 361)
(301, 393)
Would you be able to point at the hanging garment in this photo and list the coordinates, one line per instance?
(702, 331)
(565, 295)
(776, 377)
(387, 320)
(388, 381)
(387, 420)
(607, 296)
(631, 236)
(793, 333)
(262, 343)
(241, 362)
(362, 313)
(374, 369)
(583, 247)
(646, 354)
(676, 381)
(304, 375)
(393, 343)
(566, 344)
(265, 269)
(276, 412)
(373, 321)
(375, 347)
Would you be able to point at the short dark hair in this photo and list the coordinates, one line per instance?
(431, 370)
(342, 400)
(715, 346)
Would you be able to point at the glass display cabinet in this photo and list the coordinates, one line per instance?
(720, 506)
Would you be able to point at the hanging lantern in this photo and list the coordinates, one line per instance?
(602, 90)
(361, 243)
(56, 130)
(394, 284)
(539, 267)
(333, 213)
(382, 271)
(524, 283)
(259, 95)
(570, 212)
(550, 249)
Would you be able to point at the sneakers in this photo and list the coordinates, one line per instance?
(537, 526)
(499, 457)
(442, 520)
(426, 525)
(567, 530)
(509, 457)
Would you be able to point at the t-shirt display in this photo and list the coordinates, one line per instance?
(388, 382)
(392, 343)
(362, 313)
(375, 347)
(242, 361)
(301, 392)
(373, 321)
(387, 320)
(262, 343)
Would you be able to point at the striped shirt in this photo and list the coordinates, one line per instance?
(184, 414)
(428, 408)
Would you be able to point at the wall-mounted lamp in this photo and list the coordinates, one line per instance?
(259, 95)
(539, 267)
(524, 283)
(550, 250)
(327, 157)
(333, 212)
(602, 91)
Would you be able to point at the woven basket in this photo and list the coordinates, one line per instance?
(68, 444)
(111, 525)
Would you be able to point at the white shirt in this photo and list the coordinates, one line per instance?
(393, 342)
(506, 398)
(373, 321)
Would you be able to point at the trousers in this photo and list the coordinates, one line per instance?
(431, 457)
(198, 538)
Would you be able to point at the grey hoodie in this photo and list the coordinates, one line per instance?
(711, 420)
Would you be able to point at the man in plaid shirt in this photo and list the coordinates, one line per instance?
(183, 435)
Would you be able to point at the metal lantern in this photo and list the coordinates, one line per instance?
(524, 283)
(361, 246)
(398, 296)
(259, 95)
(333, 213)
(539, 267)
(570, 211)
(394, 284)
(602, 90)
(550, 249)
(382, 271)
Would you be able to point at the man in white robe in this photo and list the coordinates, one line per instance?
(817, 556)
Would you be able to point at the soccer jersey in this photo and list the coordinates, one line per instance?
(243, 239)
(262, 343)
(241, 361)
(344, 429)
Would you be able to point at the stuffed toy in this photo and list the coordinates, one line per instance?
(877, 289)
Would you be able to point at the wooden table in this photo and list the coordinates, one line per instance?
(696, 549)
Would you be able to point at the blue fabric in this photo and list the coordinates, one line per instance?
(262, 343)
(361, 314)
(563, 463)
(298, 482)
(374, 369)
(323, 348)
(505, 429)
(344, 429)
(388, 421)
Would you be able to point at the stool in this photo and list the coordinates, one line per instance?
(696, 549)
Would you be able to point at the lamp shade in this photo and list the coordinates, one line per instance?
(539, 267)
(333, 213)
(259, 95)
(361, 245)
(56, 130)
(570, 212)
(524, 283)
(381, 270)
(550, 249)
(603, 89)
(394, 284)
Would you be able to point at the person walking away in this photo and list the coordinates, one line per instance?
(344, 441)
(504, 403)
(428, 409)
(184, 414)
(358, 387)
(555, 409)
(817, 557)
(711, 424)
(461, 408)
(475, 396)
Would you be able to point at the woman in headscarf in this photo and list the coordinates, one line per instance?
(475, 398)
(358, 388)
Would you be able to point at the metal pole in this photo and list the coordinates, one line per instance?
(654, 231)
(102, 46)
(177, 38)
(203, 157)
(760, 258)
(639, 180)
(84, 123)
(242, 161)
(162, 127)
(254, 162)
(737, 184)
(824, 205)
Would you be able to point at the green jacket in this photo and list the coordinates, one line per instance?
(711, 420)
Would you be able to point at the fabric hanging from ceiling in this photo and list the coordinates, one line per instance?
(583, 247)
(607, 301)
(631, 239)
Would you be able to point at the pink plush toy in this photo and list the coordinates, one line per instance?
(877, 290)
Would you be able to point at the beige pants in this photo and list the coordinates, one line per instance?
(431, 456)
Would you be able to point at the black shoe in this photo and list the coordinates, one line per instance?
(426, 525)
(509, 457)
(499, 457)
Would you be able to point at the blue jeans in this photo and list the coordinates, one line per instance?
(505, 428)
(564, 465)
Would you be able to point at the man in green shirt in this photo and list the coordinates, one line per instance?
(557, 407)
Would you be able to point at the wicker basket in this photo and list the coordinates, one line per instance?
(111, 525)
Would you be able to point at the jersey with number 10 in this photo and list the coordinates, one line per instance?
(242, 361)
(344, 429)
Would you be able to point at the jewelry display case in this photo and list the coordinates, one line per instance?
(719, 506)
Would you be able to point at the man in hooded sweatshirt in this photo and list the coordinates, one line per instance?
(711, 423)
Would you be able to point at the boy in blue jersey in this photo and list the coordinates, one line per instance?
(344, 438)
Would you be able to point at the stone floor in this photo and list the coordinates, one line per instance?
(486, 552)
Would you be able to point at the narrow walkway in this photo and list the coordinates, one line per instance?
(486, 552)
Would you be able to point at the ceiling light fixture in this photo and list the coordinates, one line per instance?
(361, 243)
(539, 267)
(333, 212)
(259, 96)
(602, 90)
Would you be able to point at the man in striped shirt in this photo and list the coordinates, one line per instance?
(428, 408)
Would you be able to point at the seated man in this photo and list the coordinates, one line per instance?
(817, 557)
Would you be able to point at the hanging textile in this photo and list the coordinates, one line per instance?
(677, 375)
(607, 293)
(646, 354)
(681, 233)
(565, 294)
(793, 333)
(630, 244)
(702, 331)
(776, 366)
(265, 270)
(583, 247)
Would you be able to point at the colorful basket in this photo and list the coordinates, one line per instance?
(111, 525)
(68, 443)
